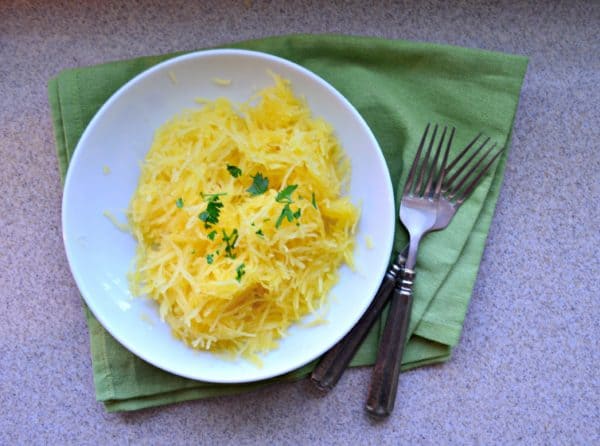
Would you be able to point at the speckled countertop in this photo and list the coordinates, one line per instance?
(527, 368)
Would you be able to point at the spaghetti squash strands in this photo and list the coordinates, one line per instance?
(222, 82)
(228, 244)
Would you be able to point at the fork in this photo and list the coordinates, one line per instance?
(428, 203)
(333, 364)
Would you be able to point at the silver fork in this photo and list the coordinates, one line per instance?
(333, 364)
(428, 203)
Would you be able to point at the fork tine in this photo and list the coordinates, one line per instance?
(464, 151)
(425, 163)
(471, 186)
(460, 170)
(443, 169)
(433, 171)
(455, 189)
(413, 169)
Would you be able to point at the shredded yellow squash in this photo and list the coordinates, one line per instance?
(221, 81)
(240, 220)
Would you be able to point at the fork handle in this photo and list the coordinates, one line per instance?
(333, 364)
(384, 378)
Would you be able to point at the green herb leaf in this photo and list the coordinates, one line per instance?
(211, 215)
(209, 259)
(211, 235)
(234, 171)
(259, 185)
(314, 201)
(212, 197)
(230, 241)
(179, 202)
(286, 212)
(297, 213)
(285, 196)
(259, 232)
(240, 271)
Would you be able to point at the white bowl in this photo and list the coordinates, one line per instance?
(119, 136)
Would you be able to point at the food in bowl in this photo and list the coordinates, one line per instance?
(241, 220)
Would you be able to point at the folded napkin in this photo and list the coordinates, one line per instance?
(398, 87)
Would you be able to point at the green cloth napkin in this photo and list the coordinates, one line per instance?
(398, 87)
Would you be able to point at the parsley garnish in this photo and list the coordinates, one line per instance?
(212, 197)
(179, 203)
(211, 215)
(234, 171)
(285, 196)
(211, 235)
(209, 259)
(314, 201)
(259, 184)
(286, 212)
(259, 232)
(240, 271)
(230, 241)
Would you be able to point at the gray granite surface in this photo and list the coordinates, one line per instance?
(526, 370)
